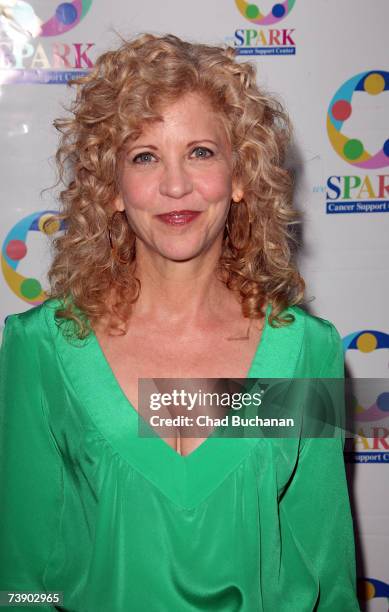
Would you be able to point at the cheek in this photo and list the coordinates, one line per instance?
(215, 187)
(137, 192)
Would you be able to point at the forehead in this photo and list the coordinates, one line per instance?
(191, 113)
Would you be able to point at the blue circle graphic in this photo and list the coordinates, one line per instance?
(278, 10)
(66, 13)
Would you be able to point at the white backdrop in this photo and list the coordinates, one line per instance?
(310, 54)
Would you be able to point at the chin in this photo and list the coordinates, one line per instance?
(181, 252)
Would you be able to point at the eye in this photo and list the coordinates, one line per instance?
(205, 152)
(142, 158)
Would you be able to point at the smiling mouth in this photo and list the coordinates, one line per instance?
(179, 217)
(179, 212)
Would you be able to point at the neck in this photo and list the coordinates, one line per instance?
(185, 292)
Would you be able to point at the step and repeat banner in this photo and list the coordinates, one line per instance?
(328, 63)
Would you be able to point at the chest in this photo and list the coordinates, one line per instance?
(146, 355)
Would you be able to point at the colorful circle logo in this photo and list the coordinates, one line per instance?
(368, 341)
(252, 12)
(370, 588)
(15, 249)
(66, 17)
(351, 149)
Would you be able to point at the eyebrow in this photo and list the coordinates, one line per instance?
(150, 146)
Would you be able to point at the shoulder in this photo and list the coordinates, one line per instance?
(321, 344)
(34, 323)
(316, 329)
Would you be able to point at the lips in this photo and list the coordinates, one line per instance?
(179, 217)
(179, 212)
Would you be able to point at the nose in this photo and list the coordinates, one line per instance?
(175, 182)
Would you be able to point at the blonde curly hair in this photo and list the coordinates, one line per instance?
(121, 94)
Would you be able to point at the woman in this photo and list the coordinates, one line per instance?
(177, 262)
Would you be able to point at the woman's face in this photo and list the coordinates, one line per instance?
(181, 164)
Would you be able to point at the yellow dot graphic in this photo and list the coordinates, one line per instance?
(359, 409)
(369, 591)
(367, 343)
(48, 224)
(374, 84)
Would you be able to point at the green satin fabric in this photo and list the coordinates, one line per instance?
(122, 523)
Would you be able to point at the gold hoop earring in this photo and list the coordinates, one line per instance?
(114, 251)
(248, 238)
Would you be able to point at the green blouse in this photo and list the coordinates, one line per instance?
(123, 523)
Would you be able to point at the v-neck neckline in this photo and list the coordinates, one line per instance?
(184, 479)
(109, 375)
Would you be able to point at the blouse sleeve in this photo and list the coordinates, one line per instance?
(30, 466)
(317, 509)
